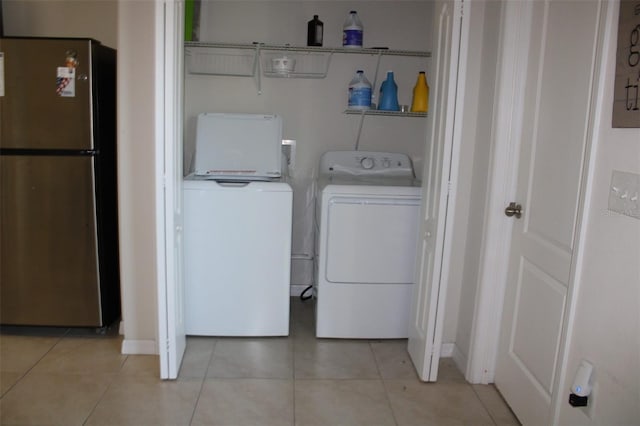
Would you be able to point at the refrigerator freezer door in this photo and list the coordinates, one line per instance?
(33, 114)
(49, 273)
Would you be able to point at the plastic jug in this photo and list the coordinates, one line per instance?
(389, 94)
(352, 31)
(420, 102)
(359, 92)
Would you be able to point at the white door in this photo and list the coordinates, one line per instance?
(440, 168)
(168, 118)
(556, 108)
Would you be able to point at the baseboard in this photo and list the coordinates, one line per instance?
(139, 347)
(460, 360)
(446, 350)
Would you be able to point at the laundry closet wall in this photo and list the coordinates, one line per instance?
(312, 109)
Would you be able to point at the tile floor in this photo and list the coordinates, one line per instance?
(66, 377)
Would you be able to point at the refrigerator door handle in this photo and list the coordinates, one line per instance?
(50, 152)
(1, 74)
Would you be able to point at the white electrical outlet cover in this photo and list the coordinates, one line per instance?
(624, 194)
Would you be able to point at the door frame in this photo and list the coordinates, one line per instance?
(161, 144)
(168, 140)
(169, 17)
(503, 168)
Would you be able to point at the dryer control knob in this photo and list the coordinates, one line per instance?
(367, 163)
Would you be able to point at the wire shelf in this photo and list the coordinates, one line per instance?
(384, 113)
(221, 61)
(312, 49)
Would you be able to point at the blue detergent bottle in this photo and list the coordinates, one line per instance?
(389, 94)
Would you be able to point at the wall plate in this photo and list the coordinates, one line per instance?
(624, 194)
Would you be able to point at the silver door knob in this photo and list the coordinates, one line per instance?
(513, 209)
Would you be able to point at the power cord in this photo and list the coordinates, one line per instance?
(302, 295)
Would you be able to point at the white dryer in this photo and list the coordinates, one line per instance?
(237, 229)
(367, 212)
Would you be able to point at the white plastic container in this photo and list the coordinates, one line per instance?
(360, 92)
(352, 31)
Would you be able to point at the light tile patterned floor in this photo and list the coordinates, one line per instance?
(69, 378)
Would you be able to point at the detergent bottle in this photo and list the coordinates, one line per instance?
(420, 102)
(389, 94)
(359, 92)
(352, 31)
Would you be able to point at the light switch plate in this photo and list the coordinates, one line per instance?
(624, 193)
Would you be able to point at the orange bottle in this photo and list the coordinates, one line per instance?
(420, 102)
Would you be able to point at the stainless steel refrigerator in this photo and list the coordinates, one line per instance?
(58, 186)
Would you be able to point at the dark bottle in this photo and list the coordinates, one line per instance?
(314, 32)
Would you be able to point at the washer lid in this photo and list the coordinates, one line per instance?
(238, 146)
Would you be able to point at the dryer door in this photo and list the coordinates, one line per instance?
(371, 240)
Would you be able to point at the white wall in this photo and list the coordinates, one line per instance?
(607, 321)
(136, 177)
(312, 108)
(128, 27)
(95, 19)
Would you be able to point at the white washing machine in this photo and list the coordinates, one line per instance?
(368, 209)
(237, 229)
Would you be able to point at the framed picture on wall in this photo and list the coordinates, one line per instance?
(626, 101)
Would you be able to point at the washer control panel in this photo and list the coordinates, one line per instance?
(365, 163)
